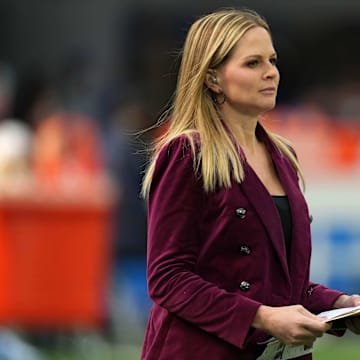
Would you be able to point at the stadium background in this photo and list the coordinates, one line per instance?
(76, 78)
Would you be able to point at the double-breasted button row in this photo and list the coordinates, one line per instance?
(241, 212)
(244, 286)
(243, 249)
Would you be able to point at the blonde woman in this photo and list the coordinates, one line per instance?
(228, 228)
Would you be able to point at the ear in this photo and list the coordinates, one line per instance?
(211, 81)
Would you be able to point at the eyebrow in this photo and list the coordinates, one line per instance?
(259, 56)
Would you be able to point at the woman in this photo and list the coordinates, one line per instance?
(228, 229)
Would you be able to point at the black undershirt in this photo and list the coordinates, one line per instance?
(282, 204)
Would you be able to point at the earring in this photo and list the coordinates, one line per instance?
(213, 80)
(218, 101)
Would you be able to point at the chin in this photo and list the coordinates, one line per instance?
(267, 107)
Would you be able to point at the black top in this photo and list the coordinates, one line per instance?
(282, 204)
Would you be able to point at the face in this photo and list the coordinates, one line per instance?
(249, 78)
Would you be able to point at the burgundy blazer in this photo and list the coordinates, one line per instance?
(214, 258)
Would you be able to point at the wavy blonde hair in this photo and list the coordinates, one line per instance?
(193, 113)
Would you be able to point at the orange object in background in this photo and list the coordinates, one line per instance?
(66, 145)
(346, 149)
(56, 269)
(5, 262)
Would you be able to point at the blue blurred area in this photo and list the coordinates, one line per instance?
(344, 242)
(336, 235)
(131, 273)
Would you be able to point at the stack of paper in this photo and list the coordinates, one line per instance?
(339, 316)
(336, 314)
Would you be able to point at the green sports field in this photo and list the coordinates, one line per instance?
(326, 348)
(334, 348)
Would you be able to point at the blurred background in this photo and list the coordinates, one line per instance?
(77, 79)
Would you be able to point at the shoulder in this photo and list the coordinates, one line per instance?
(176, 167)
(179, 149)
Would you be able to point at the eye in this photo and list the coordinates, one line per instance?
(252, 63)
(273, 61)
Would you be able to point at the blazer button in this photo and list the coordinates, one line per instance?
(309, 290)
(245, 250)
(241, 213)
(244, 286)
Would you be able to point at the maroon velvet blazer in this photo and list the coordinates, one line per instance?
(214, 258)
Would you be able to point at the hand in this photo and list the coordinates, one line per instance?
(347, 301)
(352, 324)
(292, 325)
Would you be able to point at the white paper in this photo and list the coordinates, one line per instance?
(340, 313)
(275, 350)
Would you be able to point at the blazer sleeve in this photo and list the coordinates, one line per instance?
(320, 298)
(176, 201)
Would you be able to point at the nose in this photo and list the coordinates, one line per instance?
(271, 71)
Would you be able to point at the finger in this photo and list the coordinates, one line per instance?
(316, 333)
(328, 326)
(317, 326)
(356, 299)
(309, 335)
(353, 325)
(320, 320)
(312, 316)
(353, 300)
(346, 301)
(306, 340)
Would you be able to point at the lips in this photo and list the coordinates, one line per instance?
(268, 91)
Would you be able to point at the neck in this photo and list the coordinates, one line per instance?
(243, 129)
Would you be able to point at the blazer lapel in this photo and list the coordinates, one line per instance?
(300, 241)
(265, 207)
(263, 203)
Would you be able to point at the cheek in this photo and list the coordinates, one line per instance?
(240, 84)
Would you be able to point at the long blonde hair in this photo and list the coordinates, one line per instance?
(209, 43)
